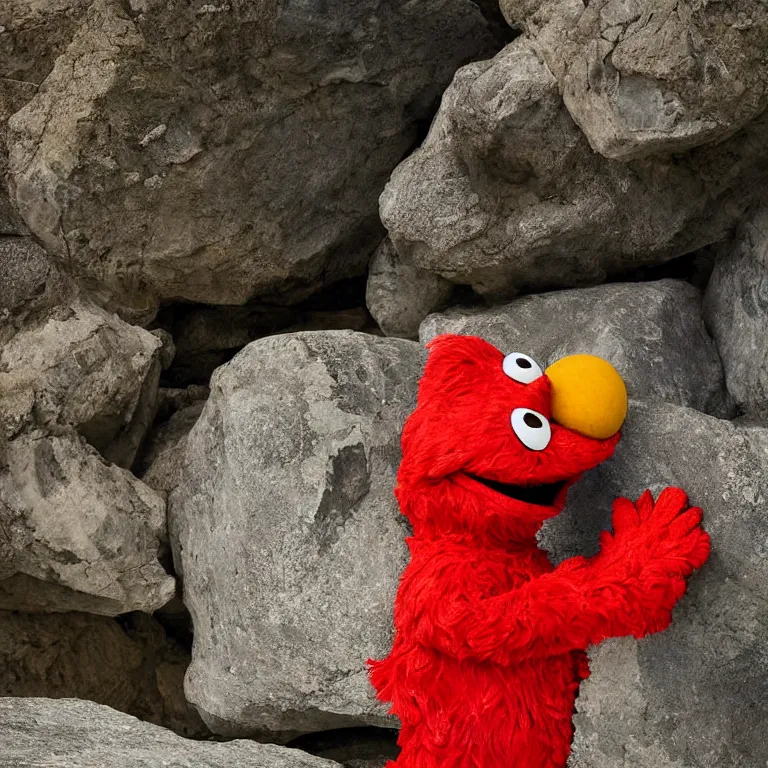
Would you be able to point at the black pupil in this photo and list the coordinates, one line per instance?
(523, 363)
(532, 421)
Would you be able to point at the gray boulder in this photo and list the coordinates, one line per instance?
(14, 94)
(133, 667)
(400, 295)
(77, 533)
(736, 312)
(41, 733)
(506, 194)
(696, 695)
(656, 76)
(287, 531)
(248, 161)
(652, 333)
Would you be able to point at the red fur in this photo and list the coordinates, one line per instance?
(490, 640)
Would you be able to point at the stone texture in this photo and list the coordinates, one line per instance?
(131, 666)
(77, 533)
(506, 194)
(241, 150)
(73, 365)
(287, 532)
(653, 333)
(736, 312)
(40, 733)
(694, 696)
(642, 78)
(399, 295)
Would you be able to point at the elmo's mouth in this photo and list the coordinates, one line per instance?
(541, 495)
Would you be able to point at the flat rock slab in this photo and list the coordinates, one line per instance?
(696, 695)
(69, 733)
(653, 333)
(287, 532)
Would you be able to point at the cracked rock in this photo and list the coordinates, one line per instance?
(506, 194)
(653, 334)
(40, 733)
(288, 534)
(241, 149)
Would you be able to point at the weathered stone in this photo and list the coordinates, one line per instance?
(736, 312)
(133, 667)
(655, 76)
(652, 333)
(25, 270)
(506, 194)
(287, 531)
(399, 295)
(241, 149)
(40, 733)
(77, 533)
(76, 365)
(696, 695)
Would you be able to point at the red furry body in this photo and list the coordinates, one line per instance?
(490, 639)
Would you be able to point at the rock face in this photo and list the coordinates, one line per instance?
(287, 530)
(242, 150)
(506, 194)
(736, 311)
(77, 533)
(652, 333)
(695, 695)
(133, 667)
(40, 733)
(399, 295)
(655, 76)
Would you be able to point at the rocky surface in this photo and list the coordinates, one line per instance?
(653, 333)
(40, 733)
(693, 695)
(131, 666)
(242, 150)
(506, 194)
(643, 78)
(399, 295)
(287, 531)
(736, 308)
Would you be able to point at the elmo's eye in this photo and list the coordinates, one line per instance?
(532, 428)
(521, 368)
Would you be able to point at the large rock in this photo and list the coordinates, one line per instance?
(651, 76)
(696, 695)
(77, 533)
(287, 531)
(13, 95)
(133, 667)
(72, 364)
(736, 311)
(40, 733)
(240, 148)
(652, 333)
(506, 194)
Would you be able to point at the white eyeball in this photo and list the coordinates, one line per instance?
(532, 428)
(521, 368)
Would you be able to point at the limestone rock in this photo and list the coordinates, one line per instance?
(14, 94)
(40, 733)
(506, 194)
(653, 333)
(642, 78)
(240, 148)
(287, 531)
(77, 533)
(132, 666)
(736, 311)
(399, 295)
(695, 695)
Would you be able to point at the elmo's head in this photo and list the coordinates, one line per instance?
(501, 426)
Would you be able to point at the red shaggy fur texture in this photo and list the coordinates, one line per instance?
(490, 639)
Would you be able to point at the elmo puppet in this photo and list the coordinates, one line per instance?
(490, 639)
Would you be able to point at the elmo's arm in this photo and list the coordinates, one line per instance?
(629, 588)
